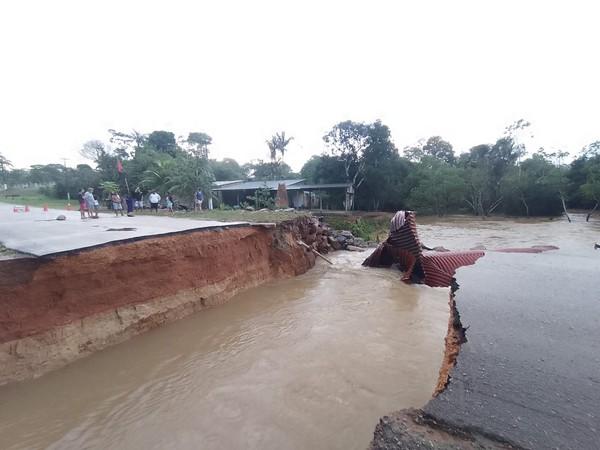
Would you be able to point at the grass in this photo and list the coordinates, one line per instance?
(33, 198)
(371, 227)
(5, 251)
(237, 215)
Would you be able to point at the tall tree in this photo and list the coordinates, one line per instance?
(163, 142)
(93, 150)
(591, 189)
(348, 141)
(227, 170)
(126, 144)
(278, 145)
(434, 147)
(197, 144)
(383, 169)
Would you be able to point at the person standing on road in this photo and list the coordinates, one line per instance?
(82, 207)
(154, 201)
(115, 198)
(169, 202)
(139, 199)
(90, 203)
(129, 205)
(199, 200)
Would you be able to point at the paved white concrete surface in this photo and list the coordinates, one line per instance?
(38, 233)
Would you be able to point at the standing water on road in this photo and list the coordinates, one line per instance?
(310, 362)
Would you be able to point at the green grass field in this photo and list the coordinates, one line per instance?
(34, 198)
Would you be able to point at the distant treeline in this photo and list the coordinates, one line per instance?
(429, 177)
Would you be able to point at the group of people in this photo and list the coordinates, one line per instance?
(88, 204)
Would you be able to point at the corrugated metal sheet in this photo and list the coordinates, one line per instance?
(254, 185)
(224, 183)
(318, 186)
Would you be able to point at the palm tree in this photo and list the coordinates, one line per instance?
(278, 144)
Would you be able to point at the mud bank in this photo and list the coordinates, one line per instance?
(55, 310)
(455, 337)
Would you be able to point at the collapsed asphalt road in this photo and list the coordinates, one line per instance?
(530, 370)
(529, 373)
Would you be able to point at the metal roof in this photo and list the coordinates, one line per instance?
(254, 185)
(223, 183)
(318, 186)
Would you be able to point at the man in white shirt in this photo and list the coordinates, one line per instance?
(154, 199)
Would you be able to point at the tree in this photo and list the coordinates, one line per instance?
(127, 144)
(187, 175)
(439, 187)
(347, 141)
(485, 167)
(278, 144)
(163, 142)
(434, 147)
(384, 170)
(589, 164)
(5, 164)
(197, 144)
(526, 188)
(515, 132)
(93, 150)
(17, 177)
(591, 189)
(323, 169)
(46, 174)
(262, 170)
(227, 170)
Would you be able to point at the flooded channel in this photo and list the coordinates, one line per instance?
(310, 362)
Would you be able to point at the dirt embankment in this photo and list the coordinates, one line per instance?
(455, 337)
(55, 310)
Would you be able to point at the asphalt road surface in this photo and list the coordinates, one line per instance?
(38, 233)
(530, 371)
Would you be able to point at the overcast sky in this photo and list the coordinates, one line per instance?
(241, 70)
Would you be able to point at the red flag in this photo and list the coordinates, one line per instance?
(119, 166)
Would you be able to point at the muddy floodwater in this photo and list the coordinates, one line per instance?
(310, 362)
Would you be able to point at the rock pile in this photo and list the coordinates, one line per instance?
(345, 240)
(322, 237)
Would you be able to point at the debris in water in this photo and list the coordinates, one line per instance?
(403, 247)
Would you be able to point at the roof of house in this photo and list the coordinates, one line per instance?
(254, 185)
(319, 186)
(224, 183)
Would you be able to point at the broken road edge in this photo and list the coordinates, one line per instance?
(412, 428)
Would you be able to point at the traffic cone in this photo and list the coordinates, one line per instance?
(26, 208)
(45, 207)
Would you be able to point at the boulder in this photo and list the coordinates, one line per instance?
(334, 243)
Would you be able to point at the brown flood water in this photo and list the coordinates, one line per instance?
(310, 362)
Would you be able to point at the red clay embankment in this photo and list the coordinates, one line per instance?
(56, 310)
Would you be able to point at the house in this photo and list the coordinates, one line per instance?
(300, 193)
